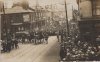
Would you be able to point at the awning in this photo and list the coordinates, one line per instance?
(16, 23)
(22, 32)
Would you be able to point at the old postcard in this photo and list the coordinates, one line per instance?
(49, 30)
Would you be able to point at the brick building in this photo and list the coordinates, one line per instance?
(89, 23)
(14, 20)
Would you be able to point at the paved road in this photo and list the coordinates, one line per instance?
(34, 53)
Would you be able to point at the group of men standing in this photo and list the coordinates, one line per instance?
(9, 43)
(7, 46)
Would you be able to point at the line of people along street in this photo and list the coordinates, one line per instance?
(11, 41)
(9, 45)
(78, 49)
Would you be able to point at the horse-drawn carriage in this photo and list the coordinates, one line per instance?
(38, 37)
(22, 36)
(35, 37)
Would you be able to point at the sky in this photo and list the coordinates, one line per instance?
(9, 3)
(59, 3)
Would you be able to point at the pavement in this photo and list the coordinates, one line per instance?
(34, 53)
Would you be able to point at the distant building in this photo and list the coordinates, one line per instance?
(39, 17)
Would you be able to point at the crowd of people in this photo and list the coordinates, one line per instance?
(8, 45)
(11, 41)
(78, 50)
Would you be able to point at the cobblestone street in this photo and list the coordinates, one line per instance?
(34, 53)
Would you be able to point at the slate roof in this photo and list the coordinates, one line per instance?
(16, 9)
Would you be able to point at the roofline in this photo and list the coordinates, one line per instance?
(14, 13)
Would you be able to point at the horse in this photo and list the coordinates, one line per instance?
(38, 37)
(32, 37)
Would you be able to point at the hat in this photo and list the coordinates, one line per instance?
(62, 46)
(99, 36)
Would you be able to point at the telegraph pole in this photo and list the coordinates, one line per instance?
(0, 27)
(0, 17)
(67, 24)
(52, 12)
(37, 14)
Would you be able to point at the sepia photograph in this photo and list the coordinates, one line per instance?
(49, 30)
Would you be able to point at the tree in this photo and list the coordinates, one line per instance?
(24, 4)
(16, 4)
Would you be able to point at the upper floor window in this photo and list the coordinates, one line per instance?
(98, 11)
(84, 0)
(96, 7)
